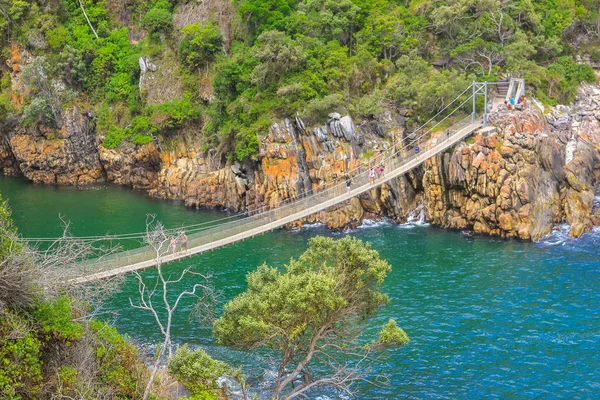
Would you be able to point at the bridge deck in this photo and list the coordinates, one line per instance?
(243, 228)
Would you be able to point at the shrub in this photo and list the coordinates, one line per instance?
(117, 360)
(5, 106)
(196, 370)
(142, 139)
(316, 110)
(20, 363)
(369, 105)
(38, 111)
(56, 320)
(57, 37)
(119, 87)
(174, 114)
(159, 18)
(114, 136)
(200, 44)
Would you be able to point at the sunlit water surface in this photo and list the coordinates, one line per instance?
(486, 317)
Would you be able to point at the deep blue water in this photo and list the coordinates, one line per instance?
(486, 317)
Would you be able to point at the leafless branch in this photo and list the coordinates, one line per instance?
(157, 238)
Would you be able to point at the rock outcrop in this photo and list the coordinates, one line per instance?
(65, 156)
(518, 178)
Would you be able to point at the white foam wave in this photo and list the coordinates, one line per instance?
(374, 223)
(411, 225)
(557, 237)
(306, 227)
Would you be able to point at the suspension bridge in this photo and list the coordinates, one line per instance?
(220, 233)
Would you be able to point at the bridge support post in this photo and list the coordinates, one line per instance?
(474, 104)
(480, 89)
(485, 104)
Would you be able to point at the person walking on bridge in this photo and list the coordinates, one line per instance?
(184, 242)
(417, 149)
(348, 183)
(174, 245)
(372, 175)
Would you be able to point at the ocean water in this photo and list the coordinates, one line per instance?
(487, 318)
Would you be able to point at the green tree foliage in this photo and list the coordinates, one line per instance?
(46, 349)
(312, 309)
(196, 370)
(159, 18)
(392, 333)
(56, 320)
(20, 358)
(262, 15)
(310, 57)
(57, 37)
(200, 44)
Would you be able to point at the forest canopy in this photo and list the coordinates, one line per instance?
(270, 59)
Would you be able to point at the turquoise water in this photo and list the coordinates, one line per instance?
(487, 317)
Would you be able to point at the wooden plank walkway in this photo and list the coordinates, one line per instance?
(238, 230)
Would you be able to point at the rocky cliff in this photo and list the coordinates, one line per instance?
(519, 178)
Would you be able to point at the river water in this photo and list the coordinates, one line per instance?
(486, 317)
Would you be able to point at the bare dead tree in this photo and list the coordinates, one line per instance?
(29, 273)
(158, 239)
(59, 262)
(504, 33)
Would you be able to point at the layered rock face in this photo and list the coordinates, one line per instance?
(519, 178)
(294, 161)
(65, 156)
(523, 177)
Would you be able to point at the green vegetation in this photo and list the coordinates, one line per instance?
(200, 44)
(313, 310)
(48, 346)
(197, 371)
(159, 18)
(284, 57)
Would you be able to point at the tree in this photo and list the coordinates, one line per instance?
(278, 54)
(312, 312)
(199, 373)
(159, 18)
(200, 44)
(479, 54)
(262, 15)
(49, 94)
(158, 238)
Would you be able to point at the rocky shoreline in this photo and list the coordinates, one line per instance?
(520, 179)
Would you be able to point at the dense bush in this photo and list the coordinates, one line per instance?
(200, 44)
(48, 347)
(20, 358)
(311, 57)
(159, 18)
(196, 370)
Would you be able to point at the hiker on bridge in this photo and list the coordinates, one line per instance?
(184, 241)
(173, 245)
(372, 175)
(348, 183)
(417, 150)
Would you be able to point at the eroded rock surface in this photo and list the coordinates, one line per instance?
(520, 179)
